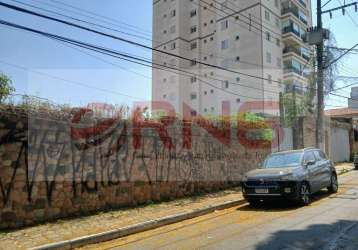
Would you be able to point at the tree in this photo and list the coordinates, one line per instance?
(331, 70)
(6, 87)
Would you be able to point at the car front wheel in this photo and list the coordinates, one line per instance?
(305, 194)
(333, 188)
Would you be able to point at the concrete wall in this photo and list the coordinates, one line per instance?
(51, 168)
(339, 141)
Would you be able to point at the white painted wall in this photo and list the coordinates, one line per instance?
(340, 150)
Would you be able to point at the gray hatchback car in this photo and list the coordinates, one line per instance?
(293, 175)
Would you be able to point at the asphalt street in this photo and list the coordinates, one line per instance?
(330, 222)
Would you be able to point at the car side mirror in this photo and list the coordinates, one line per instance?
(310, 163)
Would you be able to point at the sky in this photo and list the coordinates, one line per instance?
(49, 69)
(47, 60)
(345, 31)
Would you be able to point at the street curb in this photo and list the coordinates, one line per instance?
(137, 228)
(346, 171)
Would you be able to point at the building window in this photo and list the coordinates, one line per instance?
(172, 29)
(193, 96)
(268, 57)
(268, 36)
(278, 42)
(238, 79)
(193, 45)
(193, 62)
(238, 59)
(193, 79)
(277, 3)
(226, 84)
(193, 29)
(224, 44)
(173, 13)
(267, 15)
(237, 38)
(269, 79)
(238, 100)
(193, 13)
(224, 24)
(172, 46)
(212, 91)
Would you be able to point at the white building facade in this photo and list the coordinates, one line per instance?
(229, 53)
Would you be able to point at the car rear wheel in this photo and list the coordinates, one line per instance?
(333, 188)
(305, 194)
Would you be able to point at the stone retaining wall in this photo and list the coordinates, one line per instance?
(53, 169)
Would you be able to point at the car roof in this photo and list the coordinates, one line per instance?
(295, 151)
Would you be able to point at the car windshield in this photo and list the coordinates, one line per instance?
(283, 160)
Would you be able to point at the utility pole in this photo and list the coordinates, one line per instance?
(295, 136)
(316, 36)
(320, 84)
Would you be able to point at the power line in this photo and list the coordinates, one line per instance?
(259, 31)
(353, 21)
(324, 5)
(98, 15)
(68, 81)
(119, 31)
(128, 41)
(343, 49)
(144, 76)
(241, 61)
(237, 11)
(95, 16)
(82, 21)
(344, 87)
(115, 54)
(340, 57)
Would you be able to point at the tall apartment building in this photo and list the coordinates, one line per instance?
(256, 45)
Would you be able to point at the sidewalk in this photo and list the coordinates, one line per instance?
(344, 167)
(63, 230)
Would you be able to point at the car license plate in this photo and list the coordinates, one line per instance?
(261, 191)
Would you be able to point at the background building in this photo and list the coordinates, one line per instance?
(352, 102)
(246, 37)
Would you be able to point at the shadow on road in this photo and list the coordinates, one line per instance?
(283, 205)
(339, 235)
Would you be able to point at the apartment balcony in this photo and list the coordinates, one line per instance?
(297, 33)
(294, 11)
(292, 72)
(297, 51)
(303, 3)
(298, 89)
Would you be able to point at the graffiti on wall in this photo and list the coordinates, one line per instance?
(89, 157)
